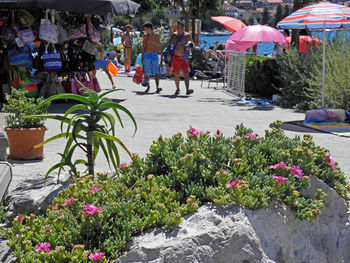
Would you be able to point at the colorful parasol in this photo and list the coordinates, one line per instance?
(318, 16)
(230, 23)
(258, 33)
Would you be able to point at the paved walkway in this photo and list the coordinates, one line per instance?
(163, 114)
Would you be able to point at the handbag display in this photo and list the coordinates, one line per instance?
(51, 86)
(48, 30)
(26, 35)
(19, 42)
(19, 57)
(79, 79)
(62, 34)
(100, 51)
(52, 60)
(77, 32)
(94, 35)
(89, 47)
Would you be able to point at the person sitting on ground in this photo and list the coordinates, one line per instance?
(211, 54)
(176, 54)
(149, 58)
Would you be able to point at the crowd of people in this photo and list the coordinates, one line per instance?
(176, 55)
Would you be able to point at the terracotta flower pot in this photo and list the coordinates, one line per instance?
(22, 141)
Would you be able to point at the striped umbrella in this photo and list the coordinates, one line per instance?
(318, 16)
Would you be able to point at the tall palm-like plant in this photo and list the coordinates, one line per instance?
(90, 131)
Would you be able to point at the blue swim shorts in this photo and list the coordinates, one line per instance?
(150, 64)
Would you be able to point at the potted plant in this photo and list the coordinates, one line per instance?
(24, 133)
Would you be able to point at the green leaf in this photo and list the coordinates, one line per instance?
(65, 96)
(75, 108)
(113, 139)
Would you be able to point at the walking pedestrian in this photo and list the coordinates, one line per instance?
(149, 58)
(178, 49)
(127, 42)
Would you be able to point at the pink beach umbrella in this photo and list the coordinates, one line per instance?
(238, 46)
(258, 33)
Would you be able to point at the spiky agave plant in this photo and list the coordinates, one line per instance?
(90, 129)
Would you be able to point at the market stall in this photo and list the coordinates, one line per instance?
(52, 51)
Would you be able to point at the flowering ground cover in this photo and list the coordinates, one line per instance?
(92, 220)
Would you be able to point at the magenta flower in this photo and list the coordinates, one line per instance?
(20, 218)
(280, 179)
(96, 255)
(281, 165)
(251, 136)
(123, 165)
(68, 202)
(43, 247)
(232, 184)
(47, 229)
(331, 162)
(91, 209)
(218, 132)
(54, 207)
(95, 188)
(297, 172)
(193, 132)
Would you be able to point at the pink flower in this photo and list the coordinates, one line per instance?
(130, 164)
(91, 209)
(95, 188)
(193, 132)
(96, 255)
(281, 165)
(20, 218)
(232, 184)
(68, 202)
(251, 136)
(297, 172)
(43, 247)
(62, 214)
(54, 207)
(280, 179)
(47, 229)
(218, 132)
(123, 165)
(331, 162)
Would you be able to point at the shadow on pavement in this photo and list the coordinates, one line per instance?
(175, 96)
(142, 93)
(237, 102)
(62, 106)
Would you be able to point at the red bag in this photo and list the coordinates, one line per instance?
(138, 75)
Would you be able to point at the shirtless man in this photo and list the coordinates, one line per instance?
(127, 42)
(179, 61)
(149, 58)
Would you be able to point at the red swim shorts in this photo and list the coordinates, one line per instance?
(179, 64)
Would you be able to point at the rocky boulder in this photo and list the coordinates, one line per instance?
(232, 234)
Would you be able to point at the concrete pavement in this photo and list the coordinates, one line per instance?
(164, 114)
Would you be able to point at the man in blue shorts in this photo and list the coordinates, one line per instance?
(150, 50)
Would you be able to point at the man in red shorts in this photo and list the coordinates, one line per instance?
(177, 52)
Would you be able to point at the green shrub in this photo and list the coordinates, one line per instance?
(295, 70)
(337, 81)
(262, 76)
(177, 176)
(18, 106)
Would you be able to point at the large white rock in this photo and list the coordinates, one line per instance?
(233, 234)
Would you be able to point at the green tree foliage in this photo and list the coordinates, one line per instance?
(279, 14)
(265, 16)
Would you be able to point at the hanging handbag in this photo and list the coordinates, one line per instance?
(20, 42)
(26, 35)
(89, 47)
(77, 32)
(51, 86)
(19, 57)
(94, 35)
(62, 34)
(100, 51)
(52, 60)
(48, 30)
